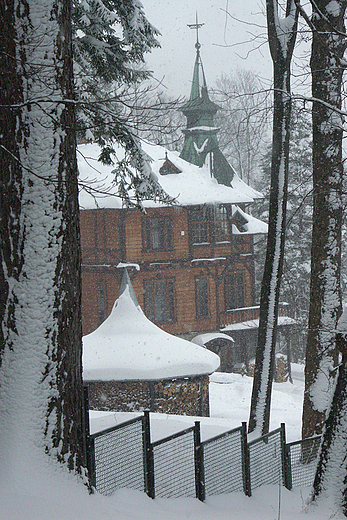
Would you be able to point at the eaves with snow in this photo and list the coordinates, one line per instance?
(254, 324)
(128, 346)
(193, 185)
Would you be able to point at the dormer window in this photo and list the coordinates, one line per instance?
(239, 222)
(157, 234)
(168, 167)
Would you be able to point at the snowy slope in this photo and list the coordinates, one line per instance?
(230, 394)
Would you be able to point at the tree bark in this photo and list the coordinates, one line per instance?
(328, 46)
(281, 41)
(40, 321)
(331, 475)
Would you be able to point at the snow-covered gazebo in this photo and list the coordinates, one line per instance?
(131, 364)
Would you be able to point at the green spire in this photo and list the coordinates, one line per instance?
(195, 90)
(201, 135)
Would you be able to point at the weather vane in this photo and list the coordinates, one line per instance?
(196, 26)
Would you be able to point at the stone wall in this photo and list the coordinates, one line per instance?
(182, 396)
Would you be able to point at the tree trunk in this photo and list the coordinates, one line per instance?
(325, 292)
(40, 322)
(331, 475)
(281, 40)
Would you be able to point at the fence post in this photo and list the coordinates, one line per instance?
(85, 423)
(91, 461)
(148, 457)
(88, 441)
(199, 464)
(285, 468)
(245, 462)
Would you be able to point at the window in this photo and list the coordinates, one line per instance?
(210, 224)
(160, 300)
(234, 290)
(200, 225)
(157, 234)
(201, 297)
(221, 224)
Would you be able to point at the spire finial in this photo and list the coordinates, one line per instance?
(196, 26)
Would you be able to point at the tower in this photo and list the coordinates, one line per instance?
(200, 136)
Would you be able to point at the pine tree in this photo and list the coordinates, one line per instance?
(40, 321)
(296, 263)
(110, 40)
(40, 317)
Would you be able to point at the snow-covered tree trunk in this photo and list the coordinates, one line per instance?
(40, 323)
(281, 35)
(327, 65)
(331, 475)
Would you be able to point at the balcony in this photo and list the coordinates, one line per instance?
(247, 314)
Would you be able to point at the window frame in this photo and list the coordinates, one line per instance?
(200, 225)
(210, 225)
(151, 292)
(232, 291)
(152, 226)
(219, 223)
(199, 304)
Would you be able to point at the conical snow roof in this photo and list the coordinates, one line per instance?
(128, 346)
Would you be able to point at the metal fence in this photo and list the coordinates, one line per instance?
(174, 465)
(223, 463)
(118, 457)
(183, 466)
(266, 459)
(302, 461)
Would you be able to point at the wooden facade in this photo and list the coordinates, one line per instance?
(192, 264)
(192, 269)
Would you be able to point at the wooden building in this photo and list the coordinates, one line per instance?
(192, 263)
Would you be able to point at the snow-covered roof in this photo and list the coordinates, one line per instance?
(128, 346)
(202, 339)
(254, 324)
(251, 226)
(192, 186)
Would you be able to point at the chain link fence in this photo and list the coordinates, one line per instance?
(118, 457)
(183, 466)
(223, 463)
(265, 459)
(302, 461)
(174, 465)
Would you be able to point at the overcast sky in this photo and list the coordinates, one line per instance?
(227, 42)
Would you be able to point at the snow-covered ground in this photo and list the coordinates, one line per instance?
(229, 402)
(63, 499)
